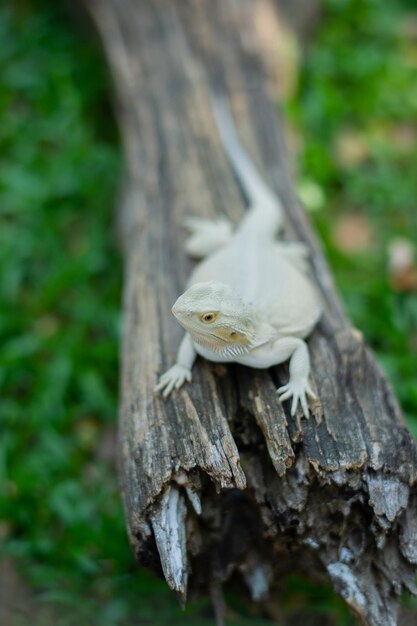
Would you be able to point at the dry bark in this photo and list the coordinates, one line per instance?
(333, 496)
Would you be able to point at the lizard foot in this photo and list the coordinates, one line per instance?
(174, 378)
(298, 390)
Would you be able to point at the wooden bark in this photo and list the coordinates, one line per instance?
(333, 496)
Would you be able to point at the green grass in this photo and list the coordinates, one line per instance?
(60, 285)
(360, 78)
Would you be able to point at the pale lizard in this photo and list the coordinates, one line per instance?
(250, 300)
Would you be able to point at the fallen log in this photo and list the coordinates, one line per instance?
(218, 480)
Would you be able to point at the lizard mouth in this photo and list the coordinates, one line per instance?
(223, 343)
(210, 340)
(219, 337)
(223, 349)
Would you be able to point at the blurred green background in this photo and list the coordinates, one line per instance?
(65, 559)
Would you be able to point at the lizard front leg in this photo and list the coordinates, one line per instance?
(176, 376)
(298, 387)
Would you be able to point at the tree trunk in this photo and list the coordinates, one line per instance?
(219, 480)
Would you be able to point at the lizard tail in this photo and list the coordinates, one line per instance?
(265, 208)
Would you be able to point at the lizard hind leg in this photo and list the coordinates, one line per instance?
(206, 236)
(297, 254)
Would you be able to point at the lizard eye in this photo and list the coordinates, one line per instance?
(208, 317)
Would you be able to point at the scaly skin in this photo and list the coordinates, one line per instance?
(250, 299)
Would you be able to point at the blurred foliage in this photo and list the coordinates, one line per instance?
(356, 111)
(60, 285)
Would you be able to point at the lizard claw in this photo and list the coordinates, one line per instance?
(298, 390)
(174, 378)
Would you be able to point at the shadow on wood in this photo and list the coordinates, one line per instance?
(333, 496)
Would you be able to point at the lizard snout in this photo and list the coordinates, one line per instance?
(178, 310)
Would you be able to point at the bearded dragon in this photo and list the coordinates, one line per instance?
(250, 300)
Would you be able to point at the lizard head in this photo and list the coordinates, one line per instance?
(216, 317)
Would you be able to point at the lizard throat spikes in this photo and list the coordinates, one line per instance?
(234, 351)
